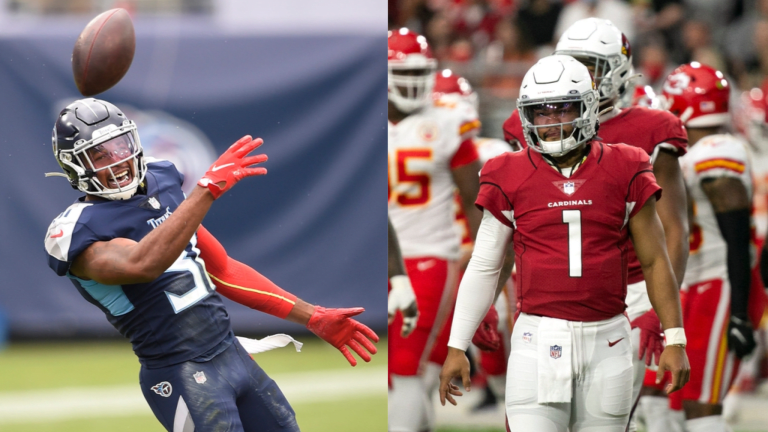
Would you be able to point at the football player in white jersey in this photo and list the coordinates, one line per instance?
(718, 277)
(430, 154)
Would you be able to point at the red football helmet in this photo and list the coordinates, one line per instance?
(644, 96)
(750, 116)
(698, 94)
(411, 70)
(449, 85)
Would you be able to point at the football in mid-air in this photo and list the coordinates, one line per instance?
(103, 52)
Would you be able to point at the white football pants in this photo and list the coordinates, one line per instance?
(600, 375)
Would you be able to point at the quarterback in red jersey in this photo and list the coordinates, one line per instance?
(430, 155)
(569, 206)
(600, 46)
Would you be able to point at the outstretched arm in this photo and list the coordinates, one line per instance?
(242, 284)
(123, 261)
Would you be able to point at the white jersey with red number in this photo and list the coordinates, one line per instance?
(712, 157)
(423, 149)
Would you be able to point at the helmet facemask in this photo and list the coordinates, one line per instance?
(556, 115)
(610, 73)
(115, 153)
(410, 86)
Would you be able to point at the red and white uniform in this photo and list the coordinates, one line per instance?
(706, 306)
(570, 344)
(556, 218)
(648, 129)
(423, 149)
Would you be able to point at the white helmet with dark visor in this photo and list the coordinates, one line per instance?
(558, 105)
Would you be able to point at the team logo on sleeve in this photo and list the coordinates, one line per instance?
(200, 377)
(568, 187)
(164, 389)
(555, 351)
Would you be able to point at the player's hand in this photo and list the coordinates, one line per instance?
(336, 327)
(651, 337)
(741, 337)
(233, 166)
(456, 366)
(674, 360)
(402, 298)
(487, 335)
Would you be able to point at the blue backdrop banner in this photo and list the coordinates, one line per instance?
(315, 225)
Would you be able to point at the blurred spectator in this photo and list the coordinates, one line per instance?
(510, 45)
(538, 18)
(619, 12)
(653, 63)
(698, 45)
(741, 44)
(439, 33)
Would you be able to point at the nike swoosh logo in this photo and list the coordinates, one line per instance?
(59, 234)
(216, 168)
(610, 344)
(425, 265)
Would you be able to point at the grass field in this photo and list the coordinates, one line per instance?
(93, 386)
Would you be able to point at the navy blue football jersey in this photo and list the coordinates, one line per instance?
(175, 318)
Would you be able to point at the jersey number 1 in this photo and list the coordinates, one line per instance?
(573, 219)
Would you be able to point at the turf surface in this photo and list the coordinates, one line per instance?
(93, 365)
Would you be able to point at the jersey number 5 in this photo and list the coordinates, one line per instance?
(573, 219)
(401, 185)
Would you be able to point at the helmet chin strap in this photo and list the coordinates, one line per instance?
(56, 174)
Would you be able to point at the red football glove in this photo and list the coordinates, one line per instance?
(487, 335)
(337, 328)
(232, 166)
(651, 337)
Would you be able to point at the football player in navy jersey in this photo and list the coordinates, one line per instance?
(134, 247)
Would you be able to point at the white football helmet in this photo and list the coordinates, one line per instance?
(598, 43)
(558, 83)
(411, 70)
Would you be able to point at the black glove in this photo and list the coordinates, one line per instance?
(741, 338)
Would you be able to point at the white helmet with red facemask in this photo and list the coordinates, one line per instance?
(698, 94)
(410, 70)
(449, 85)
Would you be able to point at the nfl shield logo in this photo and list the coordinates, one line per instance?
(154, 203)
(569, 188)
(200, 377)
(555, 351)
(527, 336)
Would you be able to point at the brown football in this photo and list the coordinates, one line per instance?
(103, 52)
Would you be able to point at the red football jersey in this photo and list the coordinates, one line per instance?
(570, 234)
(640, 127)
